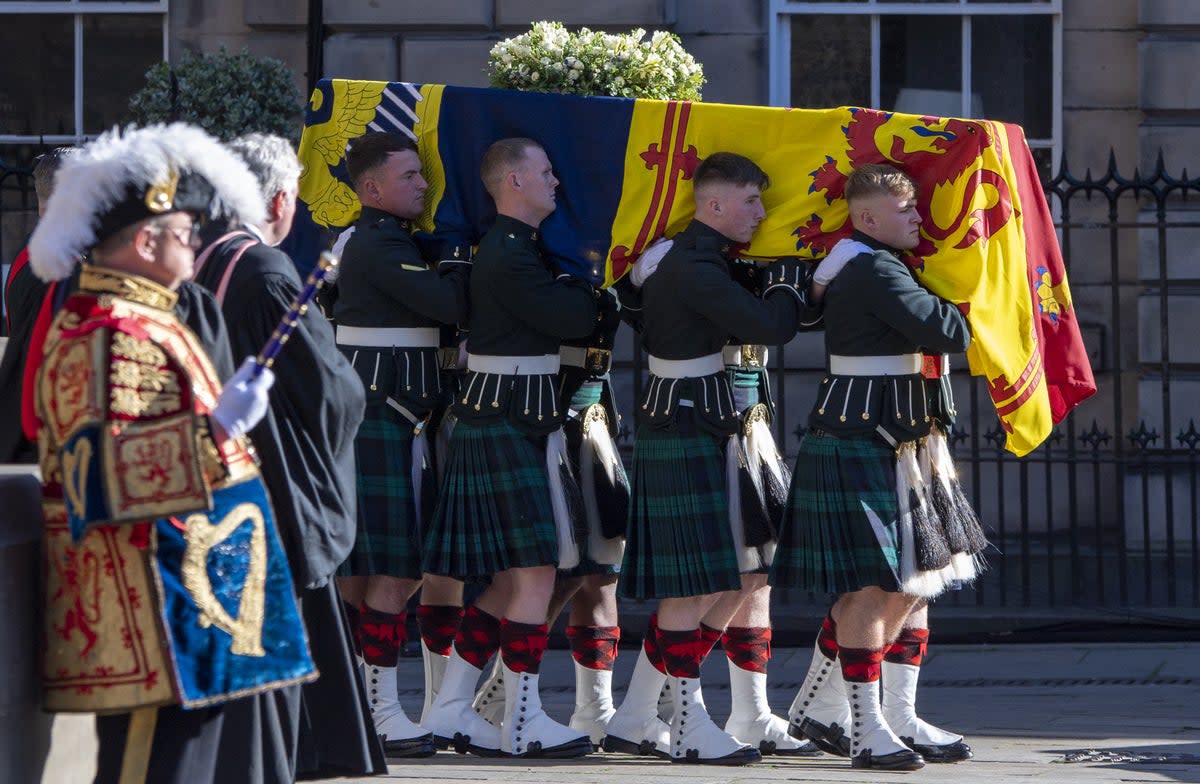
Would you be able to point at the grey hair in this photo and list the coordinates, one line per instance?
(271, 160)
(44, 168)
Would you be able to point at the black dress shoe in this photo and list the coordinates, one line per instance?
(806, 749)
(421, 746)
(905, 759)
(572, 748)
(831, 739)
(463, 745)
(743, 756)
(951, 752)
(644, 748)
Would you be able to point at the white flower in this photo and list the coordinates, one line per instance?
(588, 62)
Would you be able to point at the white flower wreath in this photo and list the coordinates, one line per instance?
(549, 58)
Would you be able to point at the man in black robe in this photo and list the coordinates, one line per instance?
(305, 445)
(23, 295)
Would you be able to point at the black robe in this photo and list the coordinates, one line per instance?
(305, 445)
(23, 298)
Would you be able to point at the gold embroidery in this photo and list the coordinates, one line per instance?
(71, 394)
(132, 374)
(76, 463)
(202, 536)
(141, 351)
(152, 469)
(210, 457)
(137, 289)
(136, 403)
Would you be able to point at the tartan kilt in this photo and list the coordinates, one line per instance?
(388, 541)
(494, 511)
(678, 542)
(840, 528)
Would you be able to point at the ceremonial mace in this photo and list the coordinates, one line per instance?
(299, 305)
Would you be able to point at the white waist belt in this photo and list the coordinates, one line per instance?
(388, 337)
(888, 365)
(513, 366)
(686, 368)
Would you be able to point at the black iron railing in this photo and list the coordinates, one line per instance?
(1106, 514)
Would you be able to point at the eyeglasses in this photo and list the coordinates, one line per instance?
(189, 237)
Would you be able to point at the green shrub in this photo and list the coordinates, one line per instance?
(225, 94)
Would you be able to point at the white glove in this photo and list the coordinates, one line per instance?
(842, 252)
(243, 401)
(648, 262)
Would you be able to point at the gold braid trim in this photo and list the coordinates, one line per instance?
(131, 287)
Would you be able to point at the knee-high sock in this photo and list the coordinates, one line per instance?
(383, 634)
(682, 652)
(439, 624)
(650, 644)
(478, 637)
(909, 648)
(748, 647)
(522, 645)
(594, 647)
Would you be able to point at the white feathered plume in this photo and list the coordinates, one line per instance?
(98, 179)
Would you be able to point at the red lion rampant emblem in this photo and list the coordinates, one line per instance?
(954, 149)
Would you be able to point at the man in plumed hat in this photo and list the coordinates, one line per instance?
(167, 593)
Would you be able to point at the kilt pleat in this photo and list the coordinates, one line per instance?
(840, 530)
(678, 541)
(494, 511)
(388, 540)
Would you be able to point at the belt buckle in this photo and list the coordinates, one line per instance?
(931, 365)
(751, 356)
(448, 357)
(597, 361)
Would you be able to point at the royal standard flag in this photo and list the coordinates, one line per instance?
(988, 242)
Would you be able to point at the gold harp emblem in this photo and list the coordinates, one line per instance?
(75, 463)
(160, 197)
(202, 536)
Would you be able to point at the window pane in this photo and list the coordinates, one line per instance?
(36, 95)
(118, 49)
(831, 61)
(1011, 70)
(920, 64)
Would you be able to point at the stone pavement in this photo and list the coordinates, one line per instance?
(1023, 708)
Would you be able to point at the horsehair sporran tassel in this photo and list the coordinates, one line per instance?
(564, 498)
(913, 580)
(748, 558)
(601, 484)
(963, 511)
(929, 536)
